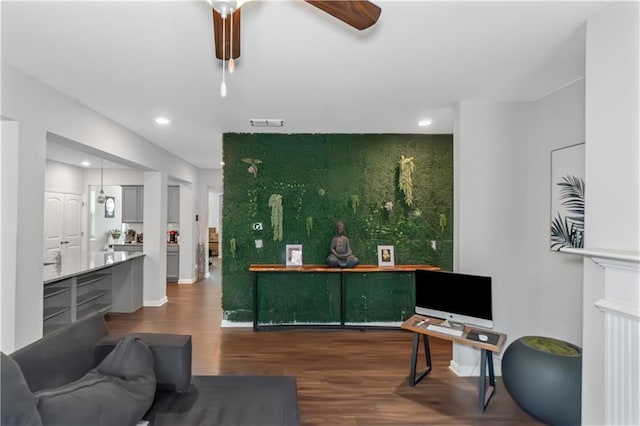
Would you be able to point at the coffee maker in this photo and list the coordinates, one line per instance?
(130, 236)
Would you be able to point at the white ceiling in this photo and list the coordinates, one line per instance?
(132, 61)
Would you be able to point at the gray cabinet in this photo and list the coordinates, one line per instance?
(132, 247)
(173, 263)
(173, 204)
(132, 204)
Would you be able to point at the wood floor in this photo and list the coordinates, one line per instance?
(344, 377)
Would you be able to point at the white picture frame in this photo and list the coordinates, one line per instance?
(293, 254)
(386, 256)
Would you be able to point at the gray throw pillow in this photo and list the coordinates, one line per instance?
(119, 391)
(17, 403)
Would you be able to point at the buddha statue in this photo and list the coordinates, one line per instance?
(340, 250)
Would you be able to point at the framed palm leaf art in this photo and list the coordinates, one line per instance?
(567, 197)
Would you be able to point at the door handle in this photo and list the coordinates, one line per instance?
(64, 242)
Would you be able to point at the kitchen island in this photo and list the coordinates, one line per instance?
(102, 282)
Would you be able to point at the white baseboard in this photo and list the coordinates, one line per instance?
(155, 303)
(233, 324)
(186, 281)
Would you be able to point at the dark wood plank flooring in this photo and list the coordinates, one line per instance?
(345, 377)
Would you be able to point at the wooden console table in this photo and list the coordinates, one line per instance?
(256, 269)
(418, 325)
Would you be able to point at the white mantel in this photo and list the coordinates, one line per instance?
(621, 308)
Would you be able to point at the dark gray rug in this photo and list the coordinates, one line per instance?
(229, 401)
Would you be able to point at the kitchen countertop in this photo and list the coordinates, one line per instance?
(93, 262)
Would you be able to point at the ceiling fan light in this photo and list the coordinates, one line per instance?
(223, 89)
(224, 7)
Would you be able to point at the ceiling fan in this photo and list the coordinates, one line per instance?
(360, 14)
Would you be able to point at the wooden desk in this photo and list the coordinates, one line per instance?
(485, 387)
(256, 269)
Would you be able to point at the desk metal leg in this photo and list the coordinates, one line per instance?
(342, 300)
(486, 389)
(255, 300)
(414, 358)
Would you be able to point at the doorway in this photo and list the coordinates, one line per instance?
(63, 227)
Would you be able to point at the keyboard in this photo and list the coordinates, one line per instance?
(445, 330)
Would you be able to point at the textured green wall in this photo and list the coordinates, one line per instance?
(320, 177)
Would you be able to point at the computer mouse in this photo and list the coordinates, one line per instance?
(483, 337)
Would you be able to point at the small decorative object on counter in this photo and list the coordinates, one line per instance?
(115, 233)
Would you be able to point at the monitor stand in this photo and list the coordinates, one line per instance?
(452, 324)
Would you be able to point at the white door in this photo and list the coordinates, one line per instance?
(62, 226)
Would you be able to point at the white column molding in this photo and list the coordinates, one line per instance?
(621, 308)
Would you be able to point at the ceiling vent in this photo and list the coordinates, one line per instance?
(266, 122)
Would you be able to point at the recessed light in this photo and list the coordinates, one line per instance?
(424, 123)
(85, 164)
(162, 121)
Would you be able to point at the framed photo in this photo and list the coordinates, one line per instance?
(109, 207)
(567, 198)
(385, 256)
(294, 254)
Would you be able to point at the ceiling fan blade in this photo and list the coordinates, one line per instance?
(359, 14)
(217, 35)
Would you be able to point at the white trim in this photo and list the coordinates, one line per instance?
(231, 324)
(156, 303)
(598, 253)
(186, 281)
(622, 309)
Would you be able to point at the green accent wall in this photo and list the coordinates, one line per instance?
(323, 178)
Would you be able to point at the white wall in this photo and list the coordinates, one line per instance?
(553, 122)
(488, 228)
(502, 196)
(104, 225)
(64, 178)
(210, 181)
(8, 219)
(612, 173)
(41, 112)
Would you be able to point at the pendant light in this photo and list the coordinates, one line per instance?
(232, 64)
(101, 197)
(224, 8)
(223, 85)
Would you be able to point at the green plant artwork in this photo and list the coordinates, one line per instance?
(309, 224)
(233, 245)
(275, 202)
(405, 179)
(355, 202)
(335, 177)
(253, 165)
(568, 231)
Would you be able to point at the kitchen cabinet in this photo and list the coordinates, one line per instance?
(111, 282)
(173, 263)
(132, 204)
(128, 247)
(173, 204)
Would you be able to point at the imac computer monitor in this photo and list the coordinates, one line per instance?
(455, 297)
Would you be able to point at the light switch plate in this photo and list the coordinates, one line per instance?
(258, 243)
